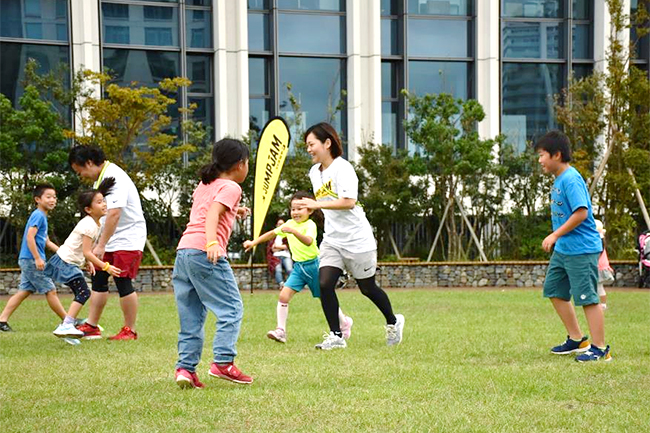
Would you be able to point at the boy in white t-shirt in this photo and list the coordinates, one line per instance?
(76, 252)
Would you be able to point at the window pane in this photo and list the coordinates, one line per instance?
(389, 127)
(389, 80)
(533, 8)
(439, 77)
(198, 2)
(258, 4)
(144, 67)
(258, 77)
(317, 34)
(532, 40)
(312, 5)
(198, 28)
(13, 58)
(259, 113)
(148, 25)
(433, 7)
(204, 111)
(389, 7)
(389, 37)
(641, 45)
(35, 19)
(582, 38)
(438, 38)
(582, 9)
(527, 91)
(581, 71)
(199, 70)
(316, 84)
(258, 32)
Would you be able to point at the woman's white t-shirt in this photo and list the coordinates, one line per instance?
(348, 228)
(72, 249)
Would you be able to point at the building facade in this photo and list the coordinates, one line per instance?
(342, 61)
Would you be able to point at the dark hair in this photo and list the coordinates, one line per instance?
(555, 142)
(323, 131)
(40, 189)
(80, 155)
(86, 197)
(225, 154)
(316, 214)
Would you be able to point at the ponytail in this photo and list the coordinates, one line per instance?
(226, 153)
(86, 197)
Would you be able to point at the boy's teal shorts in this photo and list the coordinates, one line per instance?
(575, 276)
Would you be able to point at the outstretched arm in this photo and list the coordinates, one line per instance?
(248, 245)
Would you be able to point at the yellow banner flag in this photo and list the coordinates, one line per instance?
(271, 153)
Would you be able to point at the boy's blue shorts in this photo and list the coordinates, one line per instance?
(33, 280)
(573, 276)
(305, 274)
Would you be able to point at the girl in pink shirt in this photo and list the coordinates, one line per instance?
(203, 279)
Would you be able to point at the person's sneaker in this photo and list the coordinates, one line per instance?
(4, 327)
(186, 379)
(572, 346)
(346, 327)
(278, 335)
(332, 341)
(229, 372)
(394, 332)
(595, 354)
(90, 332)
(67, 330)
(125, 334)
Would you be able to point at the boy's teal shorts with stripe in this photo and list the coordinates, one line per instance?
(573, 276)
(305, 274)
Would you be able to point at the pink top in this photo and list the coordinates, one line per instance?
(603, 261)
(224, 191)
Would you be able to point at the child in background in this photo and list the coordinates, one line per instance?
(31, 258)
(301, 232)
(77, 252)
(605, 271)
(203, 279)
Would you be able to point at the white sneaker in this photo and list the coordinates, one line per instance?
(394, 332)
(331, 341)
(67, 330)
(278, 335)
(346, 327)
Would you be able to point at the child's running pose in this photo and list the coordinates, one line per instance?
(203, 279)
(301, 232)
(77, 252)
(32, 258)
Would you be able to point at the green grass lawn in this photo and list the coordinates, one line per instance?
(471, 360)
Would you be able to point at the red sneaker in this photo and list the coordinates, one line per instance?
(186, 379)
(229, 372)
(90, 332)
(125, 334)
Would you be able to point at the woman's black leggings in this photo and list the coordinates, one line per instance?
(329, 276)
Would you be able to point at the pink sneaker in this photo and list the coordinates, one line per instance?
(229, 372)
(346, 327)
(186, 379)
(278, 335)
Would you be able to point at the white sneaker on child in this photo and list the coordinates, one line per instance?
(278, 335)
(67, 330)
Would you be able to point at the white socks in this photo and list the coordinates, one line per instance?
(283, 312)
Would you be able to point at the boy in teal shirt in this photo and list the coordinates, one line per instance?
(301, 233)
(573, 268)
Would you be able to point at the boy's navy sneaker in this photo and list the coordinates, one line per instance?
(571, 346)
(595, 354)
(4, 327)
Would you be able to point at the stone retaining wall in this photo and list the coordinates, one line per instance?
(393, 275)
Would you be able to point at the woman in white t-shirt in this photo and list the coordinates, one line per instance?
(282, 253)
(77, 252)
(348, 241)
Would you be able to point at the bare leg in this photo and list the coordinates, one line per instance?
(129, 304)
(596, 321)
(97, 304)
(567, 313)
(55, 303)
(13, 303)
(75, 308)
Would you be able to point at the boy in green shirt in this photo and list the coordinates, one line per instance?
(301, 233)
